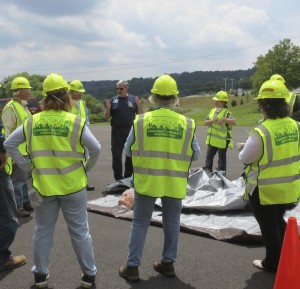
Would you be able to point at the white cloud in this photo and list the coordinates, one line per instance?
(93, 39)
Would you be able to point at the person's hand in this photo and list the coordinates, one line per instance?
(240, 146)
(215, 120)
(3, 160)
(137, 100)
(220, 120)
(108, 104)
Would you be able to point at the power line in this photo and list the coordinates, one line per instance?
(126, 66)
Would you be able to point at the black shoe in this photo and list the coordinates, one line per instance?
(90, 188)
(28, 207)
(40, 280)
(165, 268)
(23, 213)
(87, 281)
(131, 273)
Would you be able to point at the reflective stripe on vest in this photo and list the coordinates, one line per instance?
(8, 166)
(278, 172)
(22, 113)
(53, 140)
(218, 134)
(162, 153)
(81, 112)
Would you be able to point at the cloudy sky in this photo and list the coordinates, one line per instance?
(122, 39)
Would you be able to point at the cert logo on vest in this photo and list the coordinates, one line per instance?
(165, 127)
(284, 134)
(56, 127)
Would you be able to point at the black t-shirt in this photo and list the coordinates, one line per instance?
(123, 111)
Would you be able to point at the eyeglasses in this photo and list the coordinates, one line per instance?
(119, 88)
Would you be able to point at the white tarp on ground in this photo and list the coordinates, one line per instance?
(213, 206)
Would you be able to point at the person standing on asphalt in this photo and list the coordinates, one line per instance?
(56, 141)
(219, 132)
(162, 144)
(79, 108)
(8, 213)
(271, 155)
(122, 110)
(14, 115)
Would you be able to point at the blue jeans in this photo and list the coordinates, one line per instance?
(74, 210)
(142, 213)
(8, 216)
(19, 178)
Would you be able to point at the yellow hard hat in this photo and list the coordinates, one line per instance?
(277, 77)
(53, 82)
(19, 83)
(76, 85)
(221, 96)
(273, 89)
(165, 85)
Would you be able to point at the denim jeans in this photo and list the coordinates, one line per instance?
(8, 216)
(211, 152)
(142, 213)
(74, 210)
(19, 178)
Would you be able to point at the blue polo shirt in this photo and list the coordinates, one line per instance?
(123, 111)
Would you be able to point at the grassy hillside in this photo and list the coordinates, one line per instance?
(198, 107)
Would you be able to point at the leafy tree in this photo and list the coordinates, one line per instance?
(283, 59)
(36, 82)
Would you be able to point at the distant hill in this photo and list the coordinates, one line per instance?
(189, 83)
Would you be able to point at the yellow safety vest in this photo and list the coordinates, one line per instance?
(56, 153)
(162, 153)
(219, 134)
(22, 113)
(8, 165)
(82, 112)
(277, 174)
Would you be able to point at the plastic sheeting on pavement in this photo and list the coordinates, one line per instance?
(214, 206)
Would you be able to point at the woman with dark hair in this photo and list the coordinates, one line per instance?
(271, 154)
(56, 142)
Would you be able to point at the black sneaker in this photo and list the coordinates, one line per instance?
(165, 268)
(90, 188)
(131, 273)
(87, 281)
(40, 280)
(28, 207)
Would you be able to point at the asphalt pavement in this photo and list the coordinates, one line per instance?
(202, 262)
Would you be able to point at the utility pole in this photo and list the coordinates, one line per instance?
(225, 82)
(231, 83)
(231, 91)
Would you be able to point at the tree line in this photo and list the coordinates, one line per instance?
(283, 58)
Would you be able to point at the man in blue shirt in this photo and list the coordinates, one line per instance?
(122, 109)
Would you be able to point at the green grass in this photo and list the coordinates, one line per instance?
(199, 107)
